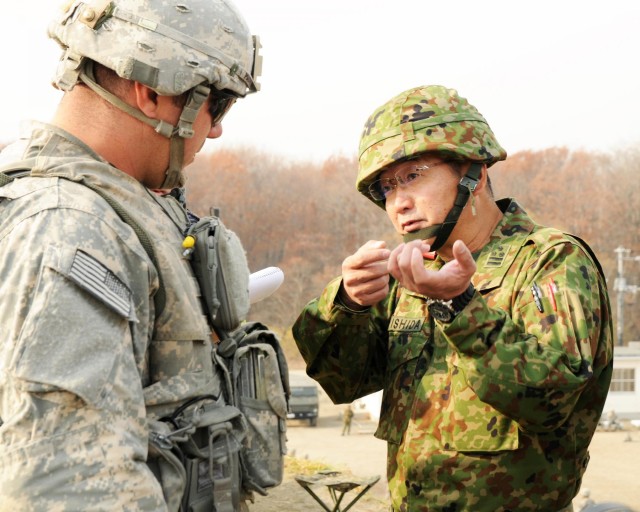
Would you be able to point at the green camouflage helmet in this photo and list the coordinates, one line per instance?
(424, 119)
(171, 47)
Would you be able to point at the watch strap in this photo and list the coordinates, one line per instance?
(459, 302)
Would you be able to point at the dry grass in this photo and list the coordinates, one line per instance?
(297, 466)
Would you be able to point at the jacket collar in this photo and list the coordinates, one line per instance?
(497, 256)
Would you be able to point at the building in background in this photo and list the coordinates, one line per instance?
(624, 392)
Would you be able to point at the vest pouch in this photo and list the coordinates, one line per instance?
(260, 379)
(220, 265)
(166, 465)
(212, 460)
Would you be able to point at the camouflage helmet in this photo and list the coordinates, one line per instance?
(171, 47)
(429, 118)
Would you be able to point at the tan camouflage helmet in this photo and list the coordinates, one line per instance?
(429, 118)
(170, 46)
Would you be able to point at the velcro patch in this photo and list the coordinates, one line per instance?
(403, 324)
(100, 282)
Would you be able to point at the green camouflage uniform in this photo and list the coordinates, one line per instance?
(84, 362)
(495, 411)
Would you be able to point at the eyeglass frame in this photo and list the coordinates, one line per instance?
(220, 102)
(395, 182)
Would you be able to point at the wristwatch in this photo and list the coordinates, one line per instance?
(446, 310)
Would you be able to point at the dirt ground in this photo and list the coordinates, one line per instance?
(612, 475)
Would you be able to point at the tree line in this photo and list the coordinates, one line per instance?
(306, 217)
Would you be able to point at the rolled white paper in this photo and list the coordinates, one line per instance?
(264, 282)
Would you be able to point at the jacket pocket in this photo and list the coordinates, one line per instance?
(404, 354)
(469, 425)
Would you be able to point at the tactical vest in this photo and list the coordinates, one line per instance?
(213, 451)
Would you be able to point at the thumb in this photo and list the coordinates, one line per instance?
(463, 256)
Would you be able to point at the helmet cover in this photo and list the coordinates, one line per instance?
(169, 46)
(425, 119)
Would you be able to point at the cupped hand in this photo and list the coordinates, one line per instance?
(406, 265)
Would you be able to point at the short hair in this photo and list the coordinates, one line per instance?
(109, 79)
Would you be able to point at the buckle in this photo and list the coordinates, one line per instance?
(469, 183)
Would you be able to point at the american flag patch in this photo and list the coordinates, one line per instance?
(100, 282)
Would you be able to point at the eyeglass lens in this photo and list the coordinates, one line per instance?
(380, 189)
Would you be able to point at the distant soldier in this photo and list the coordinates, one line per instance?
(105, 347)
(494, 352)
(347, 416)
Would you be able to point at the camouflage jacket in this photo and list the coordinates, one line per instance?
(494, 411)
(85, 362)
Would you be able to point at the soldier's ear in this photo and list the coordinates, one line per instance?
(146, 100)
(483, 179)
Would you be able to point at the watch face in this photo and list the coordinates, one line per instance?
(441, 311)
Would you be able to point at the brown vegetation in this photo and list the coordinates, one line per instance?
(307, 217)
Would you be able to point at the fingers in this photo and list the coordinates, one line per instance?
(365, 278)
(406, 265)
(373, 251)
(401, 258)
(365, 274)
(366, 293)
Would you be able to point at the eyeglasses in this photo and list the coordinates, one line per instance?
(381, 189)
(220, 103)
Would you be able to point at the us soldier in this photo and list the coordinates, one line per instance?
(494, 352)
(90, 359)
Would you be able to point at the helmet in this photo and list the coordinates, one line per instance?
(174, 47)
(424, 119)
(170, 47)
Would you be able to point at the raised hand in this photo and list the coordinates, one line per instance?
(406, 264)
(365, 278)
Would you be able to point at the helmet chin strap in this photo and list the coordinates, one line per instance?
(174, 176)
(442, 231)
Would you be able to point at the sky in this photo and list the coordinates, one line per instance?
(545, 73)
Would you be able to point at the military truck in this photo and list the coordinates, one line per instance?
(304, 402)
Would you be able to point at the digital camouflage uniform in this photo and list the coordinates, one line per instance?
(493, 412)
(84, 362)
(90, 358)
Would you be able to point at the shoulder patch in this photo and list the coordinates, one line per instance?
(497, 256)
(99, 281)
